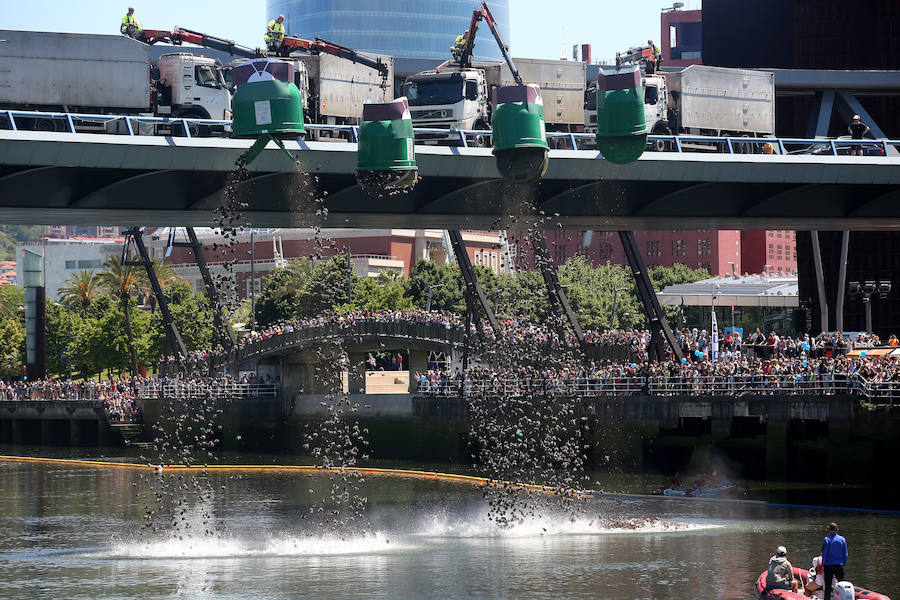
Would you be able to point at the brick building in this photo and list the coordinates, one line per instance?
(681, 39)
(371, 251)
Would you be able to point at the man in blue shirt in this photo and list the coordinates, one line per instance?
(834, 557)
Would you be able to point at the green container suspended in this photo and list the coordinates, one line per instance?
(520, 137)
(621, 126)
(386, 156)
(266, 101)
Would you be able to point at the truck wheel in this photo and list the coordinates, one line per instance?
(480, 140)
(661, 145)
(195, 129)
(44, 125)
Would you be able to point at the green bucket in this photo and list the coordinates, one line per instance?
(386, 156)
(621, 126)
(520, 138)
(266, 100)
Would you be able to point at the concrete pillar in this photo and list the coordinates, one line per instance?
(102, 433)
(16, 433)
(74, 432)
(418, 361)
(357, 378)
(777, 438)
(46, 432)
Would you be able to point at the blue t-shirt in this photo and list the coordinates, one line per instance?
(834, 550)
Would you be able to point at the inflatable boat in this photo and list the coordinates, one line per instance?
(843, 591)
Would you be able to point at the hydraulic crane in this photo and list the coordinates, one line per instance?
(463, 56)
(180, 35)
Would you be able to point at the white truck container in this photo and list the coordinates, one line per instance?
(338, 87)
(452, 98)
(104, 74)
(704, 100)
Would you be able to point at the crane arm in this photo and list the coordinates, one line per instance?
(320, 46)
(180, 36)
(483, 13)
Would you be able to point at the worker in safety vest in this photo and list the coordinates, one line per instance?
(458, 46)
(655, 59)
(275, 34)
(130, 25)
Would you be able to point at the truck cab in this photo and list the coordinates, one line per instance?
(449, 99)
(192, 87)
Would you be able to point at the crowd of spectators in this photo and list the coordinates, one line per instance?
(117, 395)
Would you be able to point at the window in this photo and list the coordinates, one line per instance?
(704, 247)
(678, 248)
(254, 286)
(208, 76)
(704, 265)
(604, 251)
(653, 248)
(560, 254)
(778, 234)
(771, 250)
(71, 264)
(88, 264)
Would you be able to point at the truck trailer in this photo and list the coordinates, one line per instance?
(104, 74)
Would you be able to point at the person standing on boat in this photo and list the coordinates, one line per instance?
(834, 557)
(781, 572)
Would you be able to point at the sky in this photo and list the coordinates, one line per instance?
(536, 28)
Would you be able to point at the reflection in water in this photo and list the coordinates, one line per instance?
(426, 539)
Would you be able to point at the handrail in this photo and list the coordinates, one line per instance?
(675, 143)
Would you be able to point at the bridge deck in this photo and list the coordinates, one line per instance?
(107, 179)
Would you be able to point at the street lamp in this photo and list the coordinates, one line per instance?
(867, 289)
(428, 302)
(612, 318)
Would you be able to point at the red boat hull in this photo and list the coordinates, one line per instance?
(763, 594)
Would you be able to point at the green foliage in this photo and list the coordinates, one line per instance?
(385, 292)
(62, 325)
(665, 276)
(272, 305)
(447, 287)
(12, 347)
(16, 235)
(12, 302)
(192, 315)
(79, 290)
(326, 287)
(591, 291)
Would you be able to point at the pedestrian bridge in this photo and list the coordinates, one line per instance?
(78, 178)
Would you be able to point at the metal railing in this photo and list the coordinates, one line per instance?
(61, 122)
(829, 384)
(218, 390)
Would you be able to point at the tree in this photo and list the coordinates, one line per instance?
(192, 315)
(591, 290)
(327, 287)
(447, 293)
(62, 325)
(271, 306)
(12, 302)
(12, 344)
(121, 281)
(79, 290)
(385, 292)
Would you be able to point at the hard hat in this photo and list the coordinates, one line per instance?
(780, 551)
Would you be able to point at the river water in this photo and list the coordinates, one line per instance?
(75, 532)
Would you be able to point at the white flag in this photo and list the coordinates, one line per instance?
(714, 354)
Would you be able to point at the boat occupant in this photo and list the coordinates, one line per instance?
(781, 572)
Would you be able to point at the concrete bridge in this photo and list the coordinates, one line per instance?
(124, 180)
(60, 422)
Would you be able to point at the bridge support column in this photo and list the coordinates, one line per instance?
(418, 362)
(46, 432)
(16, 431)
(74, 433)
(102, 433)
(777, 438)
(357, 376)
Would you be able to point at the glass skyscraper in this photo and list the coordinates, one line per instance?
(400, 28)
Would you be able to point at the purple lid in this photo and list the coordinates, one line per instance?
(624, 80)
(530, 93)
(387, 111)
(262, 69)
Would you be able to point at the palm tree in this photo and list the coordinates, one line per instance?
(122, 281)
(165, 274)
(297, 274)
(79, 290)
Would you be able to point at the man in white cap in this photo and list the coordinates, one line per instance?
(781, 572)
(857, 130)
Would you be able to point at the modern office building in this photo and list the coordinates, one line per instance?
(61, 258)
(400, 28)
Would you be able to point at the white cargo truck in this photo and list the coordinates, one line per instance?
(450, 97)
(703, 101)
(104, 74)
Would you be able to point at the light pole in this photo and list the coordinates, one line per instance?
(252, 281)
(428, 302)
(612, 317)
(866, 290)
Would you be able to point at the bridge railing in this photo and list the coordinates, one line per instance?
(837, 383)
(16, 120)
(217, 390)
